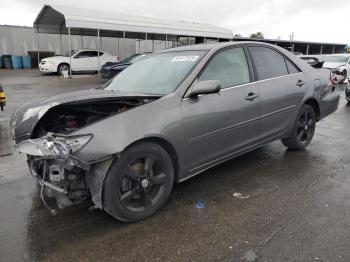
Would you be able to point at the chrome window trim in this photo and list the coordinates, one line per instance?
(259, 81)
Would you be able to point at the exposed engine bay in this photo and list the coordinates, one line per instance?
(66, 118)
(62, 175)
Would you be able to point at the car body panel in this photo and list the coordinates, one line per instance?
(216, 125)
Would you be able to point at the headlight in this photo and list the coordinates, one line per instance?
(53, 145)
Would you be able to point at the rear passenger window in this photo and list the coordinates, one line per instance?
(229, 67)
(93, 54)
(268, 62)
(292, 69)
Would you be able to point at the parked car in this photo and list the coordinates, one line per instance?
(2, 98)
(327, 61)
(110, 69)
(338, 63)
(82, 60)
(166, 119)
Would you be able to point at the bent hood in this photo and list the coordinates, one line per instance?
(24, 120)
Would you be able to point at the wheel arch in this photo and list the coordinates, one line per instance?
(167, 146)
(314, 104)
(62, 63)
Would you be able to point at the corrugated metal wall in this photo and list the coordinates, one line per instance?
(19, 40)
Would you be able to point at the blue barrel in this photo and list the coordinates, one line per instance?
(26, 61)
(7, 61)
(16, 62)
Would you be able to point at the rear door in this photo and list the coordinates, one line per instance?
(281, 85)
(217, 125)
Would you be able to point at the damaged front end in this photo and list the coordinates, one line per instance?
(61, 175)
(47, 139)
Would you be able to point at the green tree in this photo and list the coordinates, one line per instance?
(257, 35)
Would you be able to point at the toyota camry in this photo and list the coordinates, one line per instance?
(167, 118)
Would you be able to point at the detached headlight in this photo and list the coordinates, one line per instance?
(53, 145)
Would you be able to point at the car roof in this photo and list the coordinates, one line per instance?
(88, 49)
(207, 47)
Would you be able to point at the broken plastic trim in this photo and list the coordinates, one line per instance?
(53, 211)
(82, 164)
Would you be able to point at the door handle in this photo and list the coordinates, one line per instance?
(251, 96)
(300, 83)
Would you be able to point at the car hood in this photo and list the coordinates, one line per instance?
(27, 116)
(116, 65)
(332, 65)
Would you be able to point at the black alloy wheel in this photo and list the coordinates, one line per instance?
(139, 183)
(306, 127)
(303, 130)
(142, 183)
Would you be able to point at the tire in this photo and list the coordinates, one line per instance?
(62, 67)
(303, 130)
(138, 183)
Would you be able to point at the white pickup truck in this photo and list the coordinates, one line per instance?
(81, 60)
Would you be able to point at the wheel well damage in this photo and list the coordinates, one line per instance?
(98, 172)
(314, 104)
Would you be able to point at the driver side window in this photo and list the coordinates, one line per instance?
(230, 67)
(84, 54)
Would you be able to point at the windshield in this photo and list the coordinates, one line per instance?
(156, 74)
(337, 59)
(73, 53)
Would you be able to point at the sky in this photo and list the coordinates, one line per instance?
(310, 20)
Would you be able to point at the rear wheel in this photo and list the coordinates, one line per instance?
(304, 129)
(139, 182)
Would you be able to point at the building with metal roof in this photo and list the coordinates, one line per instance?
(57, 19)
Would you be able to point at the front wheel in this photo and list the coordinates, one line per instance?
(139, 182)
(62, 67)
(303, 130)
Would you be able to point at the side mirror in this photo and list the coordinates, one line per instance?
(205, 88)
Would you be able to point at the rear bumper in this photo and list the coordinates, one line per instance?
(329, 104)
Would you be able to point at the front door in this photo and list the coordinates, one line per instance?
(218, 125)
(81, 61)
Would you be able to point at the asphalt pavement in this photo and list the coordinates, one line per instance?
(268, 205)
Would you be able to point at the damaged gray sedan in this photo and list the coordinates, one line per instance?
(167, 118)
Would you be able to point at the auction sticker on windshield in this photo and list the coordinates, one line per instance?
(185, 58)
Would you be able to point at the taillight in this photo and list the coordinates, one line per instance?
(332, 78)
